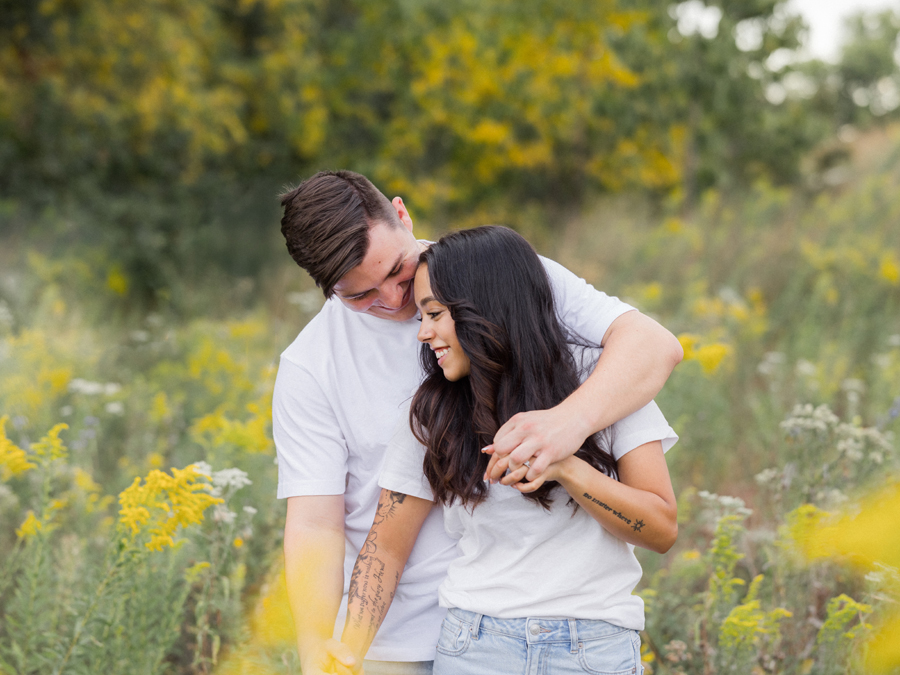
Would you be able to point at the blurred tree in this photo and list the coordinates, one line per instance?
(722, 70)
(164, 129)
(868, 71)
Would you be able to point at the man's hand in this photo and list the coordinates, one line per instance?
(638, 355)
(332, 657)
(539, 437)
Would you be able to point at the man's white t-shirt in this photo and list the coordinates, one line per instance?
(517, 559)
(339, 394)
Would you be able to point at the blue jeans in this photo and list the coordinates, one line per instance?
(397, 668)
(473, 644)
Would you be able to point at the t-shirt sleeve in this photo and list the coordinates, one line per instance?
(582, 309)
(640, 427)
(312, 453)
(402, 469)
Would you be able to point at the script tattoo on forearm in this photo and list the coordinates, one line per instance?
(636, 526)
(368, 598)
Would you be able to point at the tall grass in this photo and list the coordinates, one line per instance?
(788, 406)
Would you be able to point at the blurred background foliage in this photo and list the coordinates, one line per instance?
(162, 131)
(682, 156)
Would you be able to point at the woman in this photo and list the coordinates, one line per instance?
(546, 568)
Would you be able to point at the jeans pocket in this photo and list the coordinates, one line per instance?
(455, 636)
(617, 654)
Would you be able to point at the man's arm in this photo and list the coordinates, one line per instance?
(314, 570)
(638, 357)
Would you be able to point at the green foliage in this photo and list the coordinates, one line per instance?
(162, 132)
(843, 624)
(80, 593)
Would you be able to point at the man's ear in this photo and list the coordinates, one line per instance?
(402, 212)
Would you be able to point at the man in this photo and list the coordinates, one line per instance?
(339, 391)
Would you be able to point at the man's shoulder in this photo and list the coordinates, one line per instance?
(314, 338)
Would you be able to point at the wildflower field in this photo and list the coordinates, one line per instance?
(138, 527)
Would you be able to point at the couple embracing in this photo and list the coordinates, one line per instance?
(474, 510)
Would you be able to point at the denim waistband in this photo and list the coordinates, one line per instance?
(537, 630)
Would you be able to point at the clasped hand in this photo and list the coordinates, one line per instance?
(539, 437)
(333, 657)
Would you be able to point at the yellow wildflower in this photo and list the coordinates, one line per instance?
(160, 409)
(193, 573)
(51, 447)
(247, 330)
(238, 542)
(163, 504)
(890, 269)
(116, 281)
(85, 481)
(688, 342)
(13, 460)
(711, 356)
(747, 622)
(865, 537)
(216, 429)
(30, 527)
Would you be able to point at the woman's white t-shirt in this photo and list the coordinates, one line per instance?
(517, 559)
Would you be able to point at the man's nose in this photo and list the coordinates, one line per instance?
(392, 296)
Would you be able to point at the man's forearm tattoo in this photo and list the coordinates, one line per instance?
(636, 526)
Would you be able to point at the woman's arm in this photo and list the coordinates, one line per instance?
(639, 508)
(380, 563)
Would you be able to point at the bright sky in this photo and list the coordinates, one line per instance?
(824, 18)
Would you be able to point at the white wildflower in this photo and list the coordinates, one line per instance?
(767, 476)
(229, 478)
(250, 510)
(894, 340)
(805, 368)
(203, 468)
(853, 384)
(876, 578)
(139, 335)
(771, 363)
(115, 408)
(80, 386)
(222, 514)
(66, 410)
(881, 361)
(831, 499)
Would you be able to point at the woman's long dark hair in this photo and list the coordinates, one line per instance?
(500, 299)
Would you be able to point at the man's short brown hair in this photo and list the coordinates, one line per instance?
(326, 223)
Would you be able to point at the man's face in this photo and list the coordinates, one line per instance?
(382, 284)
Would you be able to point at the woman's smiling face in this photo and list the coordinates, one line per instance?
(438, 329)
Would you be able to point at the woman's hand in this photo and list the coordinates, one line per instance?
(517, 477)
